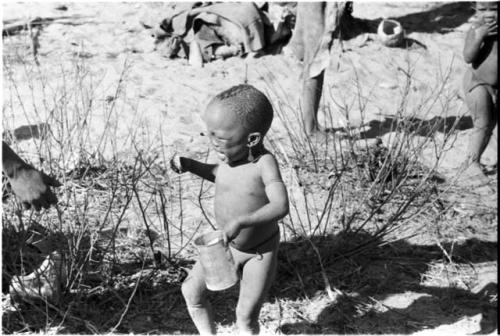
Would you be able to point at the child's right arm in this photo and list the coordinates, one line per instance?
(181, 164)
(475, 38)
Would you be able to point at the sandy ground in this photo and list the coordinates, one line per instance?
(171, 94)
(164, 97)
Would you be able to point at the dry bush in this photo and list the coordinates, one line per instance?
(120, 220)
(114, 222)
(365, 193)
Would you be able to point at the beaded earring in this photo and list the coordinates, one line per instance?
(250, 155)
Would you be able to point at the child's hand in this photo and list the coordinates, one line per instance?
(487, 29)
(232, 230)
(492, 29)
(176, 164)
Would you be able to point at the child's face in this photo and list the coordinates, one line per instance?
(487, 11)
(227, 135)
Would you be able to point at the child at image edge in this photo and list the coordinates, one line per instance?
(480, 85)
(250, 198)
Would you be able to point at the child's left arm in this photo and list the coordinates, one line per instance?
(277, 207)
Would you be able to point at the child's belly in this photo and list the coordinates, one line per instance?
(229, 206)
(487, 70)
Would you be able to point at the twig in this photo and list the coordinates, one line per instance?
(333, 296)
(165, 221)
(145, 220)
(129, 300)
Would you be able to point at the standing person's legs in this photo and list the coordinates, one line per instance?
(310, 24)
(481, 106)
(194, 291)
(310, 98)
(258, 275)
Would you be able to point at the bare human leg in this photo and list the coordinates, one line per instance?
(258, 275)
(194, 291)
(481, 106)
(311, 95)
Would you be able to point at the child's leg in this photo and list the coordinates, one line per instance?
(194, 291)
(481, 106)
(258, 274)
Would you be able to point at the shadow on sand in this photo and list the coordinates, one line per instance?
(102, 295)
(441, 18)
(150, 302)
(420, 127)
(376, 273)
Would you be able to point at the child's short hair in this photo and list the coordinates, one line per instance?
(250, 105)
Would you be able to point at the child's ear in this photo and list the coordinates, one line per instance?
(253, 139)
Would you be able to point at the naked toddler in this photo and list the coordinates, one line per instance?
(480, 86)
(250, 198)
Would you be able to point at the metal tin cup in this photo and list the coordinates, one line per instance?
(217, 261)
